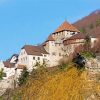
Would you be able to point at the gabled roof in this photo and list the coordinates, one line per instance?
(34, 50)
(50, 38)
(44, 43)
(66, 26)
(14, 55)
(8, 64)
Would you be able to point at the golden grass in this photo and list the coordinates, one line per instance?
(65, 85)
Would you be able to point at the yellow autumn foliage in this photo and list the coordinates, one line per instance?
(65, 85)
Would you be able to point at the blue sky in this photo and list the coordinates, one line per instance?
(31, 21)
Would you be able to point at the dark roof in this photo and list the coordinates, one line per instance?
(8, 64)
(77, 36)
(34, 50)
(66, 26)
(16, 55)
(74, 37)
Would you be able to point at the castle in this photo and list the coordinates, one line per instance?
(59, 44)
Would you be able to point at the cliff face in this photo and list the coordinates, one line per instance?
(90, 23)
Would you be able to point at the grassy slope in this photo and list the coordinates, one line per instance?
(64, 85)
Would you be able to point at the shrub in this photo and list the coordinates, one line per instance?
(1, 74)
(87, 54)
(91, 26)
(40, 70)
(83, 30)
(98, 22)
(79, 61)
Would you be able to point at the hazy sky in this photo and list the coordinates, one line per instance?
(31, 21)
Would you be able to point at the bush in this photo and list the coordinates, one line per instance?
(79, 61)
(1, 74)
(24, 77)
(91, 26)
(63, 63)
(83, 30)
(88, 54)
(98, 22)
(40, 70)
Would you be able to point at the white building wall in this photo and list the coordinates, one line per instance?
(23, 58)
(9, 71)
(63, 35)
(30, 60)
(93, 41)
(55, 52)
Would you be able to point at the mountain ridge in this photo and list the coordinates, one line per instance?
(89, 24)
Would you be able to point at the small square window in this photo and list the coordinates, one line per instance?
(38, 58)
(44, 55)
(33, 58)
(53, 53)
(59, 54)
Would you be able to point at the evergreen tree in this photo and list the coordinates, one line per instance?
(88, 42)
(24, 76)
(91, 26)
(98, 22)
(83, 30)
(1, 74)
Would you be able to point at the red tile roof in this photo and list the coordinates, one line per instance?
(8, 64)
(66, 26)
(50, 38)
(44, 43)
(34, 50)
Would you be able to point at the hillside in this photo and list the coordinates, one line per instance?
(68, 84)
(90, 23)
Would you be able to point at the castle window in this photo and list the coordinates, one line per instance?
(21, 59)
(33, 58)
(38, 58)
(72, 33)
(53, 53)
(59, 54)
(26, 58)
(45, 55)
